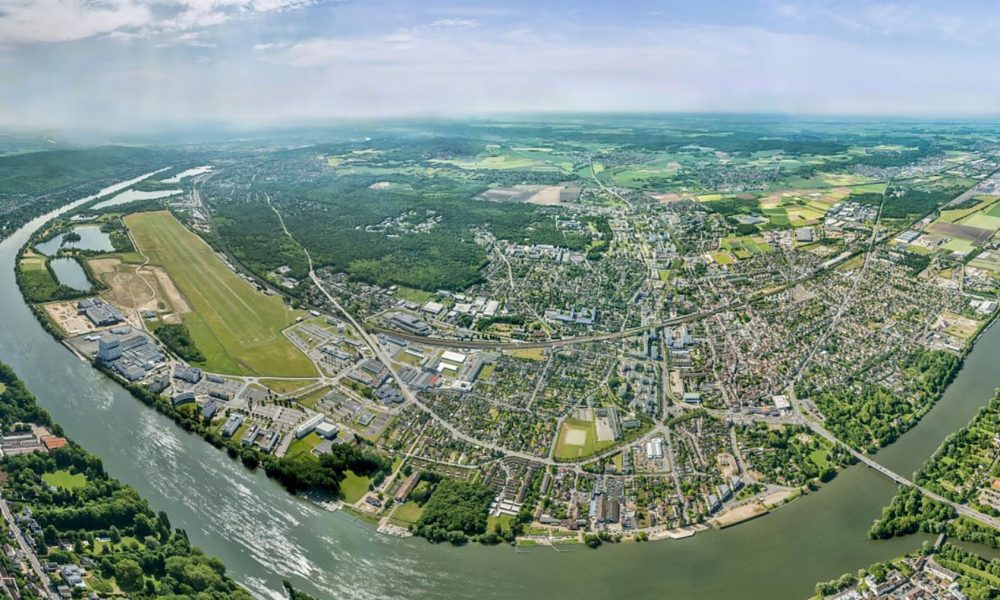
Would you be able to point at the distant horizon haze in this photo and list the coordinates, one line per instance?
(128, 65)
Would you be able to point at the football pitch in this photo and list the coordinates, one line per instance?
(237, 328)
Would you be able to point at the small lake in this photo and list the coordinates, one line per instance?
(91, 238)
(69, 272)
(188, 173)
(133, 196)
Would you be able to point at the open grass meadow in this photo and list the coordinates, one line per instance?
(354, 487)
(65, 480)
(237, 328)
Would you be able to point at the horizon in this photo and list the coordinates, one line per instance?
(153, 133)
(125, 65)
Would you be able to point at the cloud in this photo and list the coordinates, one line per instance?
(27, 21)
(453, 24)
(67, 20)
(269, 46)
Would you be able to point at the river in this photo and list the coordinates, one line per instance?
(264, 535)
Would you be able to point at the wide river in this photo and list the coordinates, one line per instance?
(264, 535)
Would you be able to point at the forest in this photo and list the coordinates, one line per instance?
(34, 183)
(177, 339)
(456, 510)
(333, 219)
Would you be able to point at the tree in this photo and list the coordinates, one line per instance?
(128, 574)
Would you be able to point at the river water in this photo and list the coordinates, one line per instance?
(264, 535)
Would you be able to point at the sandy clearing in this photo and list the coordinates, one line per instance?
(740, 514)
(548, 196)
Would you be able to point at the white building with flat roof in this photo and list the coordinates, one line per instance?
(433, 308)
(455, 357)
(654, 449)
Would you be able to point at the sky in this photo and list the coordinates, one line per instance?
(135, 64)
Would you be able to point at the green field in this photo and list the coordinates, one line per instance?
(723, 258)
(777, 216)
(982, 221)
(960, 246)
(283, 386)
(578, 439)
(407, 514)
(65, 480)
(745, 246)
(310, 399)
(300, 447)
(237, 328)
(354, 487)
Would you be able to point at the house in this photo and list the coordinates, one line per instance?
(409, 323)
(73, 576)
(159, 384)
(404, 490)
(433, 308)
(692, 397)
(100, 313)
(251, 435)
(52, 442)
(269, 441)
(654, 449)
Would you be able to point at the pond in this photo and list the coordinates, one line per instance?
(69, 272)
(91, 238)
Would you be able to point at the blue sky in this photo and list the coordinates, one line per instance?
(133, 64)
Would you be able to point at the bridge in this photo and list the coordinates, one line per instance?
(961, 509)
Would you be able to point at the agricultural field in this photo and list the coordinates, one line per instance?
(236, 328)
(798, 208)
(745, 246)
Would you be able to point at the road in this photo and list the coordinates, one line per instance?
(32, 559)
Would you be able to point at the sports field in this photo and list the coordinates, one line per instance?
(237, 328)
(578, 439)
